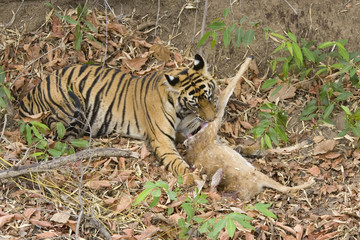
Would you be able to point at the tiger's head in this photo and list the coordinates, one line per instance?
(197, 89)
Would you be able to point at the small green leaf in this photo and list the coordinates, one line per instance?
(308, 54)
(2, 103)
(248, 37)
(217, 25)
(78, 37)
(204, 38)
(269, 83)
(297, 54)
(213, 42)
(170, 211)
(273, 136)
(230, 227)
(320, 71)
(154, 202)
(188, 209)
(226, 37)
(89, 24)
(49, 5)
(55, 153)
(278, 36)
(42, 144)
(142, 196)
(226, 12)
(243, 220)
(2, 75)
(346, 110)
(156, 193)
(28, 135)
(70, 20)
(328, 111)
(238, 36)
(204, 227)
(280, 47)
(242, 20)
(281, 133)
(263, 208)
(60, 128)
(337, 65)
(80, 143)
(37, 154)
(342, 51)
(41, 126)
(268, 141)
(292, 37)
(162, 184)
(290, 48)
(326, 44)
(343, 96)
(36, 132)
(219, 226)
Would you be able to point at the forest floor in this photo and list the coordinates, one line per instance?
(48, 205)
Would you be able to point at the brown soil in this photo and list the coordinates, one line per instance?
(314, 20)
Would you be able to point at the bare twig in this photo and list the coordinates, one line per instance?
(62, 161)
(99, 225)
(13, 17)
(291, 7)
(203, 23)
(157, 18)
(3, 130)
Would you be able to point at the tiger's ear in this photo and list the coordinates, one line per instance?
(172, 80)
(198, 62)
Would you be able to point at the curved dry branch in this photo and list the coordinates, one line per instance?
(62, 161)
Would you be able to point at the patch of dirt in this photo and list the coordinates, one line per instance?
(319, 21)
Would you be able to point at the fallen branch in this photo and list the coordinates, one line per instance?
(62, 161)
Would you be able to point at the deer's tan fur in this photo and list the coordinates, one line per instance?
(207, 153)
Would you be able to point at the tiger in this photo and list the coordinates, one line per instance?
(99, 100)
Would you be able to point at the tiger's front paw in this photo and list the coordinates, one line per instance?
(190, 178)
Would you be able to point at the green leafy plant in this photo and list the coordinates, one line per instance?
(5, 94)
(352, 123)
(219, 25)
(304, 60)
(192, 205)
(35, 133)
(272, 125)
(79, 23)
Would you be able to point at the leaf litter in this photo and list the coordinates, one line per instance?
(47, 205)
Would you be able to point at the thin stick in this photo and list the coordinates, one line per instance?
(203, 23)
(157, 18)
(13, 17)
(291, 7)
(62, 161)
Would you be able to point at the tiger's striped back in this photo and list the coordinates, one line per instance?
(98, 100)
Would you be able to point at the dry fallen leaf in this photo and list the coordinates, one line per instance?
(287, 91)
(135, 64)
(144, 152)
(60, 217)
(324, 146)
(46, 235)
(120, 28)
(161, 52)
(41, 223)
(97, 184)
(314, 170)
(28, 212)
(6, 219)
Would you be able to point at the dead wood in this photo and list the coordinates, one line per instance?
(62, 161)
